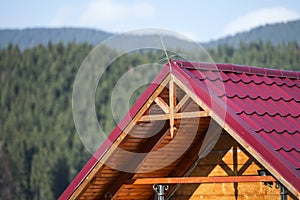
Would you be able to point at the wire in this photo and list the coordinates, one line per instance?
(166, 53)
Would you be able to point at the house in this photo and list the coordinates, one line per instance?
(202, 131)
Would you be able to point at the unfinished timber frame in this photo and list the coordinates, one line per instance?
(171, 111)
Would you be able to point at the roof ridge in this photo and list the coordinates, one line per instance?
(229, 67)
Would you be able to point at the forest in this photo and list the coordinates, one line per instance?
(40, 150)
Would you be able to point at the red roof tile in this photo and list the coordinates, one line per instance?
(263, 107)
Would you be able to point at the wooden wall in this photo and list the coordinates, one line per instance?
(227, 158)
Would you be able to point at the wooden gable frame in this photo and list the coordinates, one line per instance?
(173, 103)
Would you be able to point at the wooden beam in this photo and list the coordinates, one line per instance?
(181, 103)
(162, 104)
(172, 101)
(194, 114)
(184, 115)
(208, 179)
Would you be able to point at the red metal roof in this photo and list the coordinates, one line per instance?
(261, 105)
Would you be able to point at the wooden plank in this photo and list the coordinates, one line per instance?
(184, 115)
(245, 188)
(181, 103)
(195, 114)
(162, 104)
(230, 197)
(172, 101)
(209, 179)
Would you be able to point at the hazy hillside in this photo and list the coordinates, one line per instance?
(26, 38)
(275, 33)
(31, 37)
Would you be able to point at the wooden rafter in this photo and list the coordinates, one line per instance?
(199, 180)
(171, 111)
(162, 104)
(183, 115)
(181, 103)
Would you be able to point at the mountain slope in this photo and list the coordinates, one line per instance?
(27, 38)
(275, 33)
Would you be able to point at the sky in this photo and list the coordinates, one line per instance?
(198, 20)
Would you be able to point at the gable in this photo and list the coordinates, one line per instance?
(154, 143)
(178, 119)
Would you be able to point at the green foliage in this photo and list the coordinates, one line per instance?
(32, 37)
(36, 126)
(284, 56)
(40, 151)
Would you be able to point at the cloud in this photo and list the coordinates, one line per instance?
(110, 14)
(260, 17)
(65, 15)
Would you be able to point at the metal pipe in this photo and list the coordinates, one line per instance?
(160, 191)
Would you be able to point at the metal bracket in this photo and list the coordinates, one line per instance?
(283, 191)
(160, 191)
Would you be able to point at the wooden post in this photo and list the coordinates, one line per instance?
(172, 102)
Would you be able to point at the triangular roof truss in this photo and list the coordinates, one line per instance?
(160, 130)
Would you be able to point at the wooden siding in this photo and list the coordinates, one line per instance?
(227, 158)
